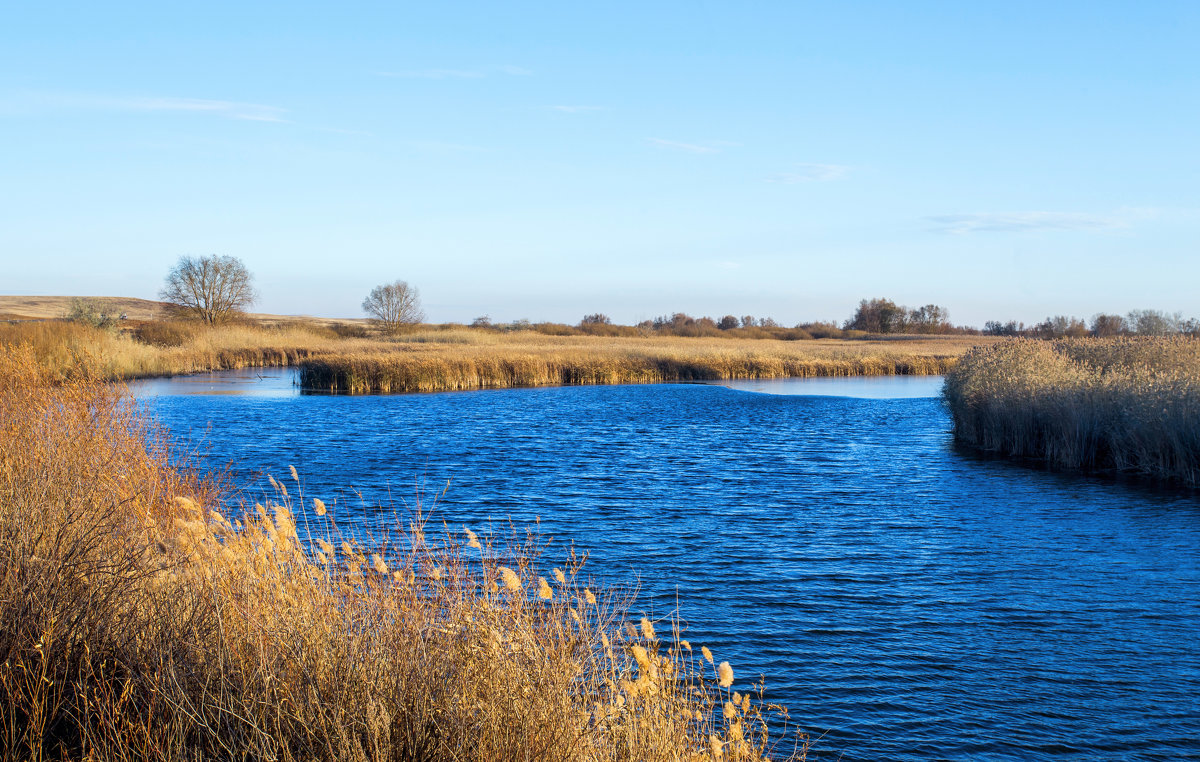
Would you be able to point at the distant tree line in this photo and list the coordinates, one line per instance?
(1136, 323)
(885, 316)
(217, 289)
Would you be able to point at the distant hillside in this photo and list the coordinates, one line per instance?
(42, 307)
(50, 307)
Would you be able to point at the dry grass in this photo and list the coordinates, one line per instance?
(167, 348)
(458, 360)
(49, 307)
(137, 622)
(1129, 405)
(337, 357)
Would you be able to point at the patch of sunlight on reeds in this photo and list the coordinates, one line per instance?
(142, 617)
(1129, 405)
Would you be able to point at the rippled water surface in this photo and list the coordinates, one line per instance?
(904, 599)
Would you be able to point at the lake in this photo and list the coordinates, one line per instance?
(904, 599)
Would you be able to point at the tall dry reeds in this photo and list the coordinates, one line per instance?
(141, 618)
(602, 362)
(1130, 405)
(442, 358)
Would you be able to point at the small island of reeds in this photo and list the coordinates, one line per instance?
(1127, 405)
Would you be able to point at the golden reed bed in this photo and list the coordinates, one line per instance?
(1128, 405)
(142, 617)
(453, 358)
(534, 360)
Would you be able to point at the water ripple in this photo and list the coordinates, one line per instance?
(905, 600)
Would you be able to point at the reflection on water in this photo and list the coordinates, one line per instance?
(906, 602)
(282, 382)
(257, 382)
(865, 387)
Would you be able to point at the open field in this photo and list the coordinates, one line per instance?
(1129, 405)
(348, 356)
(51, 307)
(143, 617)
(54, 307)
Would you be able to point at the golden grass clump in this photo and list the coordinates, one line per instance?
(143, 617)
(1128, 405)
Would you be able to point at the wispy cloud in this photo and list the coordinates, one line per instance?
(255, 112)
(476, 73)
(515, 71)
(445, 147)
(1021, 222)
(576, 109)
(808, 173)
(710, 146)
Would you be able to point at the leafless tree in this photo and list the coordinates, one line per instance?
(394, 305)
(211, 288)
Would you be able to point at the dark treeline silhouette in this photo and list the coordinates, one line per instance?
(1102, 325)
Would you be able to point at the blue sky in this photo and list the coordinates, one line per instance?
(522, 160)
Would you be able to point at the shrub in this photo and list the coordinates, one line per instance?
(168, 333)
(90, 312)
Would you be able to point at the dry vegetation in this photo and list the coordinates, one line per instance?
(437, 361)
(1129, 405)
(347, 357)
(143, 618)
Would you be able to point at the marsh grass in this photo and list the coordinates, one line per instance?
(144, 618)
(1128, 405)
(516, 360)
(437, 358)
(167, 348)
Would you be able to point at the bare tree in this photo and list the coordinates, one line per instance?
(394, 305)
(211, 288)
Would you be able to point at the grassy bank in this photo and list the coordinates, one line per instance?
(436, 358)
(139, 622)
(168, 348)
(1129, 405)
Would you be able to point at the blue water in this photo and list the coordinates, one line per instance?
(905, 600)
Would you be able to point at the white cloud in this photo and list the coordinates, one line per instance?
(805, 173)
(1019, 222)
(709, 147)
